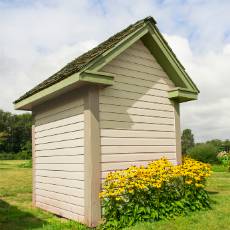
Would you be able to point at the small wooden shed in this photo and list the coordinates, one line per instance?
(116, 105)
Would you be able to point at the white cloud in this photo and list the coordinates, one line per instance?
(39, 37)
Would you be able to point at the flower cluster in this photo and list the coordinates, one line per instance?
(155, 175)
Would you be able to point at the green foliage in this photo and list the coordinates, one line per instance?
(206, 153)
(187, 140)
(224, 159)
(177, 194)
(26, 164)
(15, 133)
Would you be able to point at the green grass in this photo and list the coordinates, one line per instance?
(17, 213)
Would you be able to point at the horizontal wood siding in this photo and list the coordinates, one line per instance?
(137, 119)
(59, 152)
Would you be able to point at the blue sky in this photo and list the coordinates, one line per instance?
(38, 37)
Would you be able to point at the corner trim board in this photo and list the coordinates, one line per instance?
(92, 157)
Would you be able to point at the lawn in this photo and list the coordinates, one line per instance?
(17, 213)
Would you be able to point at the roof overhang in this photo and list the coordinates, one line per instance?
(74, 81)
(182, 95)
(185, 89)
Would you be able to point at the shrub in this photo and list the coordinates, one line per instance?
(206, 153)
(157, 191)
(26, 164)
(224, 159)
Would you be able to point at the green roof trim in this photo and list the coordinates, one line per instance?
(86, 68)
(182, 95)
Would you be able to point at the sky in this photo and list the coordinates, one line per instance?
(38, 37)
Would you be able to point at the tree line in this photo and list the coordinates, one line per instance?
(15, 134)
(205, 151)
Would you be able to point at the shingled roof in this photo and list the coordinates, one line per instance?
(82, 61)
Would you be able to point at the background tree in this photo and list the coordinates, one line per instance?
(187, 140)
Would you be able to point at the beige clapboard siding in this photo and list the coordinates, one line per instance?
(61, 189)
(107, 141)
(60, 144)
(62, 197)
(134, 103)
(61, 212)
(140, 89)
(55, 107)
(61, 174)
(61, 152)
(61, 159)
(59, 181)
(137, 149)
(60, 122)
(127, 56)
(136, 133)
(61, 167)
(60, 204)
(126, 157)
(136, 117)
(61, 130)
(134, 111)
(60, 137)
(134, 95)
(135, 126)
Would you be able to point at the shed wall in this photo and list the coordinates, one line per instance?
(59, 156)
(137, 119)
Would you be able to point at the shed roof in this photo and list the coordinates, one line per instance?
(87, 58)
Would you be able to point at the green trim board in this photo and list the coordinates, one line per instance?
(182, 95)
(88, 71)
(75, 80)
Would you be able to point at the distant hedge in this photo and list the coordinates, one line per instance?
(23, 155)
(205, 152)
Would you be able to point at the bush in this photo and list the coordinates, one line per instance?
(23, 155)
(206, 153)
(224, 159)
(26, 164)
(157, 191)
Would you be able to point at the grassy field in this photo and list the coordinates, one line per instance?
(16, 212)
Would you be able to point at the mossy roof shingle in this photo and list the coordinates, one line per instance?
(82, 61)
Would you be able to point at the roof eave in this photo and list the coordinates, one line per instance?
(74, 81)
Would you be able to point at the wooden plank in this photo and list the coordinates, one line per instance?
(126, 157)
(135, 103)
(61, 152)
(62, 197)
(59, 130)
(92, 157)
(134, 95)
(137, 149)
(136, 133)
(135, 126)
(139, 69)
(61, 189)
(61, 105)
(59, 116)
(60, 144)
(61, 159)
(61, 122)
(62, 182)
(144, 90)
(134, 111)
(60, 204)
(135, 118)
(107, 141)
(62, 167)
(61, 212)
(33, 163)
(61, 174)
(140, 60)
(60, 137)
